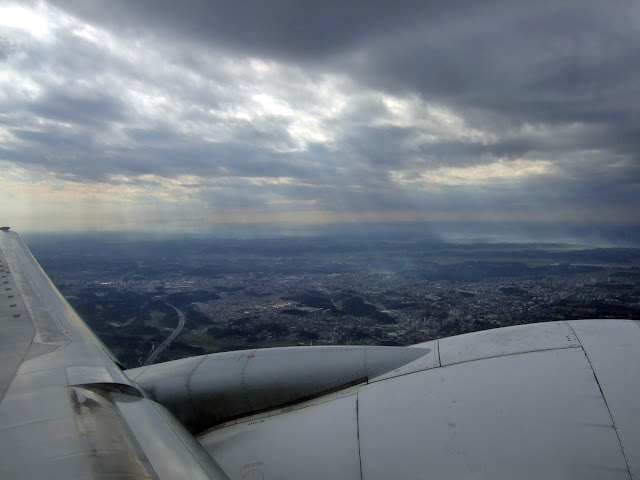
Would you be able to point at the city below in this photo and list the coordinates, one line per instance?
(157, 300)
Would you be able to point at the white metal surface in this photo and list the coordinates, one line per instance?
(316, 442)
(506, 341)
(613, 348)
(535, 415)
(15, 329)
(86, 375)
(171, 450)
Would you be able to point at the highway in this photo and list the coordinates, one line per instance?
(154, 354)
(176, 331)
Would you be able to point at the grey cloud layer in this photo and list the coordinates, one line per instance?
(495, 54)
(553, 82)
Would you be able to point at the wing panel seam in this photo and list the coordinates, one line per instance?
(525, 352)
(188, 385)
(613, 422)
(358, 433)
(243, 378)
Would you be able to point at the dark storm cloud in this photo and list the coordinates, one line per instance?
(286, 29)
(545, 61)
(494, 53)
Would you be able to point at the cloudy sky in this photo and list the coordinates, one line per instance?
(153, 114)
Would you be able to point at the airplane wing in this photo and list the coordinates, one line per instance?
(67, 409)
(550, 400)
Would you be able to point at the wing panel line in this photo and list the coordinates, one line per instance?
(615, 426)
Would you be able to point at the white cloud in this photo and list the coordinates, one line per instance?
(22, 22)
(498, 171)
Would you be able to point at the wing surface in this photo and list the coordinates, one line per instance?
(548, 400)
(67, 410)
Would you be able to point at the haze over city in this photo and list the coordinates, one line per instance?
(492, 120)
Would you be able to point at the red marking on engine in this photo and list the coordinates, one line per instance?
(251, 356)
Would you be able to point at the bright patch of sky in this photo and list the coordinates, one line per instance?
(478, 174)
